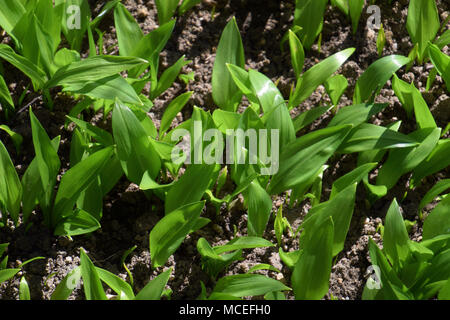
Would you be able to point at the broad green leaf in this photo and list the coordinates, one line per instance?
(93, 288)
(108, 88)
(395, 237)
(10, 186)
(10, 15)
(336, 87)
(154, 289)
(77, 179)
(307, 117)
(368, 136)
(134, 149)
(442, 63)
(79, 222)
(48, 165)
(311, 274)
(115, 283)
(127, 29)
(168, 77)
(170, 231)
(243, 285)
(355, 10)
(23, 64)
(438, 221)
(230, 50)
(67, 285)
(412, 99)
(7, 274)
(187, 5)
(375, 77)
(443, 40)
(340, 209)
(166, 10)
(356, 114)
(438, 188)
(172, 110)
(297, 53)
(102, 136)
(401, 161)
(242, 80)
(243, 243)
(444, 293)
(24, 290)
(304, 156)
(65, 57)
(259, 209)
(438, 159)
(225, 120)
(93, 68)
(5, 95)
(353, 176)
(422, 23)
(309, 16)
(317, 75)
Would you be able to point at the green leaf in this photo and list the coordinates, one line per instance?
(336, 87)
(317, 75)
(230, 50)
(213, 263)
(225, 120)
(401, 161)
(93, 68)
(297, 53)
(24, 290)
(444, 293)
(412, 99)
(355, 10)
(315, 259)
(356, 114)
(10, 15)
(438, 221)
(442, 63)
(136, 153)
(23, 64)
(166, 10)
(438, 188)
(422, 23)
(172, 110)
(381, 41)
(108, 88)
(168, 77)
(102, 136)
(438, 159)
(154, 289)
(191, 186)
(7, 274)
(187, 5)
(10, 186)
(127, 29)
(79, 222)
(77, 179)
(353, 176)
(395, 237)
(368, 136)
(240, 243)
(375, 77)
(307, 117)
(259, 209)
(5, 95)
(305, 156)
(93, 288)
(309, 16)
(340, 209)
(243, 285)
(67, 285)
(170, 231)
(114, 282)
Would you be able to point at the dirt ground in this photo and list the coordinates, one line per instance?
(129, 216)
